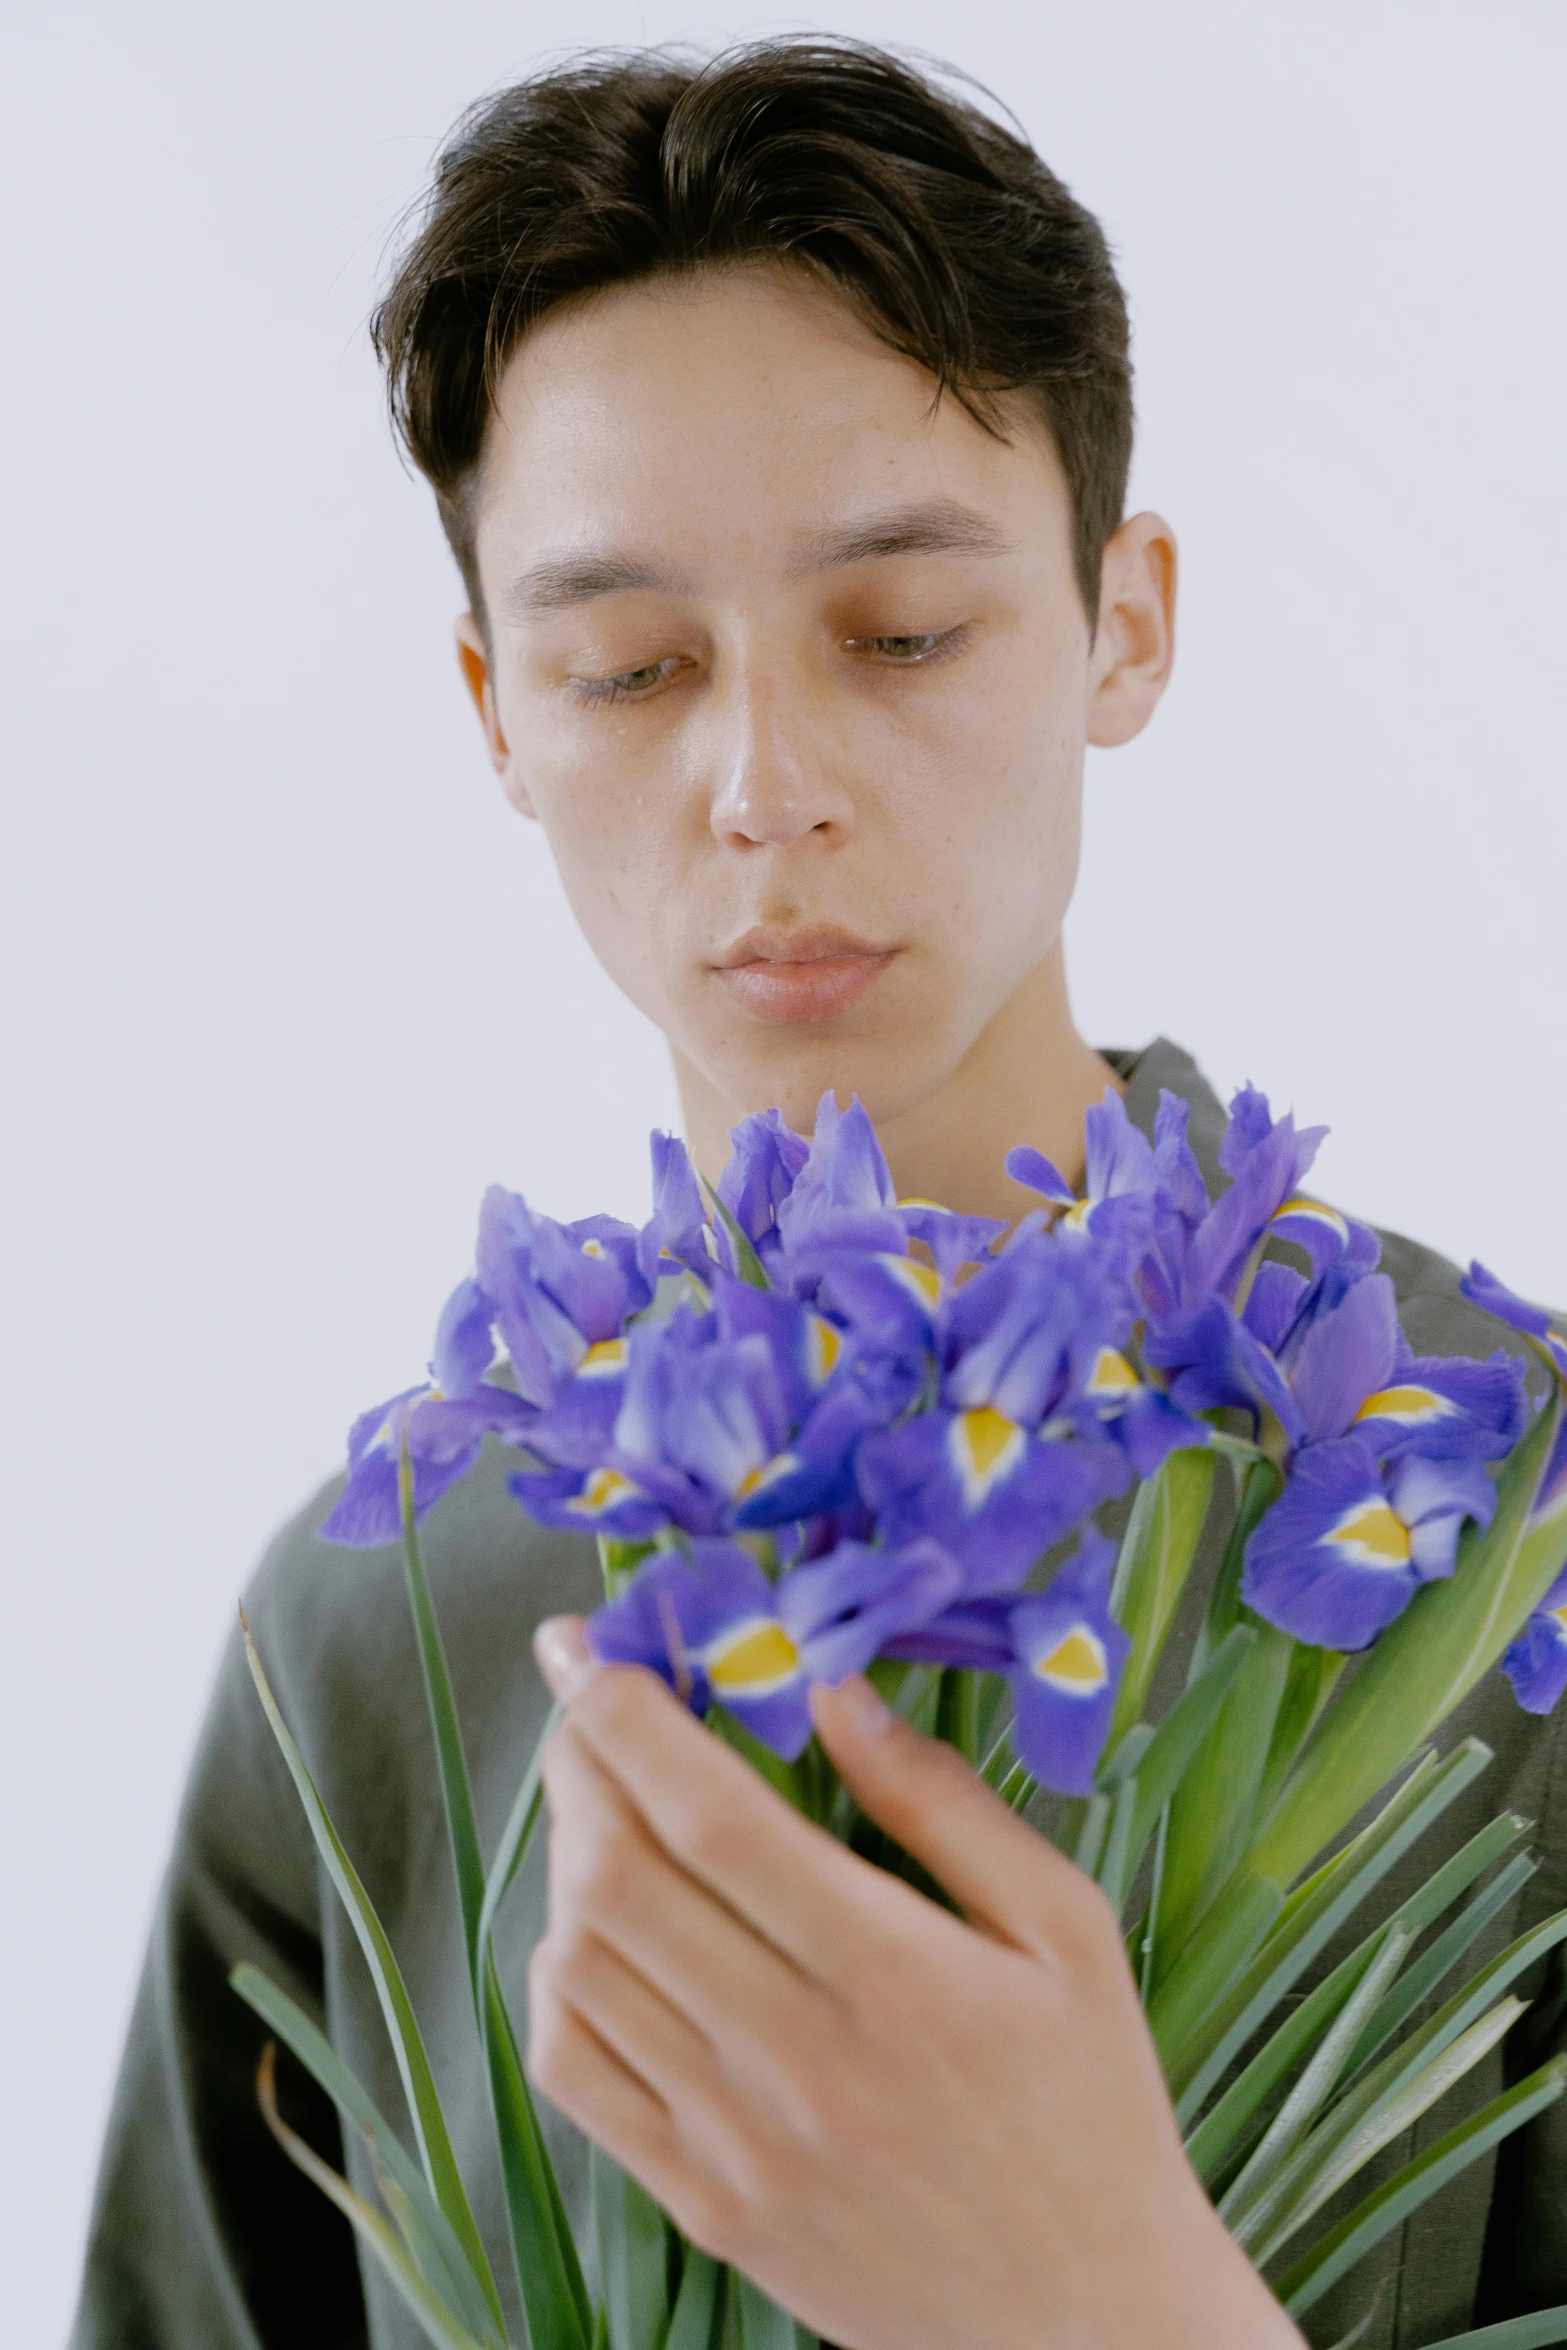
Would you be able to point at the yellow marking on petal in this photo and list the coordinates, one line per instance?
(604, 1488)
(939, 1207)
(603, 1360)
(1076, 1665)
(1560, 1614)
(1113, 1374)
(986, 1446)
(753, 1659)
(921, 1281)
(593, 1248)
(1370, 1535)
(823, 1346)
(1075, 1217)
(1411, 1405)
(1316, 1212)
(769, 1473)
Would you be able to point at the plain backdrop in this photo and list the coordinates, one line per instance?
(284, 982)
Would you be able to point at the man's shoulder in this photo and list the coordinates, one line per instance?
(1437, 1317)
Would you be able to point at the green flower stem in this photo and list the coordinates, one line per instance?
(1160, 1543)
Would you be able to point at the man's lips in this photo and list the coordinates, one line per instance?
(783, 976)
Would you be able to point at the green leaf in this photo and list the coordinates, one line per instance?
(764, 2326)
(1164, 1760)
(1211, 2143)
(1322, 2174)
(957, 1712)
(426, 2229)
(633, 2257)
(1090, 1843)
(516, 1836)
(424, 2105)
(1311, 1680)
(1316, 2084)
(1232, 1930)
(1439, 1961)
(1514, 2333)
(1115, 1869)
(1160, 1543)
(619, 1561)
(456, 1791)
(747, 1263)
(1422, 2068)
(698, 2319)
(1211, 1813)
(439, 2324)
(1311, 1919)
(1451, 1633)
(548, 2270)
(1123, 1762)
(1309, 2278)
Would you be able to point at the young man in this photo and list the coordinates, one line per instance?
(779, 415)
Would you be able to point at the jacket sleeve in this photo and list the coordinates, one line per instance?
(202, 2231)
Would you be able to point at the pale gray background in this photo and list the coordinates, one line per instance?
(286, 984)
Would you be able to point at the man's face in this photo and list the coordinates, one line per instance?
(793, 669)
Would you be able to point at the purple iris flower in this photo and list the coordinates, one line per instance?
(991, 1492)
(1028, 1329)
(557, 1289)
(716, 1629)
(1353, 1536)
(747, 1416)
(1326, 1357)
(1198, 1256)
(1061, 1652)
(1482, 1288)
(1039, 1415)
(842, 1196)
(762, 1172)
(675, 1237)
(443, 1423)
(1123, 1182)
(953, 1240)
(1536, 1663)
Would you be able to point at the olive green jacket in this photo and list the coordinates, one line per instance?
(203, 2236)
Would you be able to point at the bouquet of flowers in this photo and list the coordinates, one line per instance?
(818, 1430)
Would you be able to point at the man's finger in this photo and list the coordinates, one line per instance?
(1006, 1878)
(723, 1824)
(608, 1872)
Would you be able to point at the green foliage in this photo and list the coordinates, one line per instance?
(1247, 1796)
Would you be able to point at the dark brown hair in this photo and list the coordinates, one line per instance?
(944, 232)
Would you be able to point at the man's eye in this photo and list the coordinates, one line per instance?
(630, 685)
(908, 651)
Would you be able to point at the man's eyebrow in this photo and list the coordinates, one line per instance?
(938, 526)
(556, 581)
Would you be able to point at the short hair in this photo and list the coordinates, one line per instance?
(942, 231)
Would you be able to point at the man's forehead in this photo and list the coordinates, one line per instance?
(925, 526)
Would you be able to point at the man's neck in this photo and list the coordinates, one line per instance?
(1028, 1078)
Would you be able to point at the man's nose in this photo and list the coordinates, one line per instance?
(778, 776)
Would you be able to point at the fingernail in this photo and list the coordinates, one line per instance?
(564, 1657)
(866, 1710)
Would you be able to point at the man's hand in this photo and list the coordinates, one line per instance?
(914, 2133)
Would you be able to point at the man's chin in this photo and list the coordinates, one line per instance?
(891, 1075)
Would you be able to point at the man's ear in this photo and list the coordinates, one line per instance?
(1135, 642)
(474, 660)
